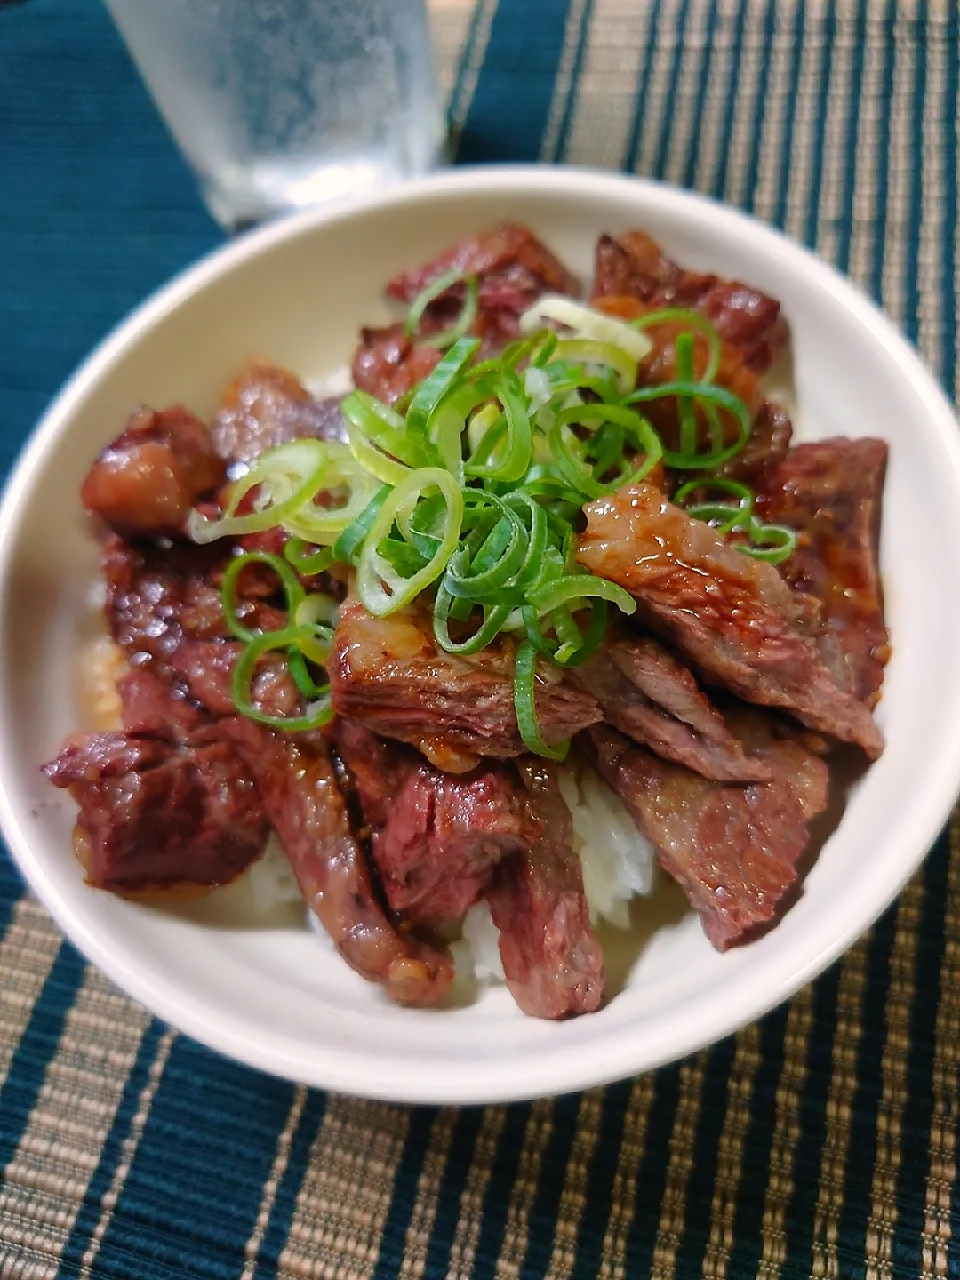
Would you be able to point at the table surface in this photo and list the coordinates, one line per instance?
(820, 1141)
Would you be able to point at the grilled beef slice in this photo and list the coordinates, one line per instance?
(831, 492)
(266, 405)
(391, 675)
(435, 836)
(733, 849)
(646, 693)
(733, 617)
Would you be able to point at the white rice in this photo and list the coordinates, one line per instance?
(271, 880)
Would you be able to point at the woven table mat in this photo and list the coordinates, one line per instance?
(820, 1141)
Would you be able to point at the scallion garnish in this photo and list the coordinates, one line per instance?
(471, 490)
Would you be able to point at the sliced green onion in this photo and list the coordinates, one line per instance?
(319, 712)
(711, 395)
(524, 701)
(468, 312)
(286, 478)
(381, 589)
(581, 586)
(571, 454)
(587, 323)
(588, 351)
(435, 386)
(494, 617)
(345, 547)
(292, 588)
(682, 315)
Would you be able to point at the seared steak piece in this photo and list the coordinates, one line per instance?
(435, 837)
(831, 492)
(732, 849)
(147, 480)
(392, 676)
(513, 267)
(265, 406)
(158, 816)
(305, 805)
(633, 265)
(552, 960)
(388, 364)
(646, 693)
(157, 596)
(771, 431)
(152, 708)
(733, 617)
(205, 668)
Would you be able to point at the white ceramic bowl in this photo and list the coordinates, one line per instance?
(274, 997)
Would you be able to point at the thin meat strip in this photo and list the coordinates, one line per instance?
(732, 616)
(732, 849)
(831, 492)
(435, 837)
(646, 693)
(551, 958)
(304, 803)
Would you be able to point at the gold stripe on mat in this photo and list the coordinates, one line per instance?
(902, 155)
(871, 109)
(680, 1164)
(563, 85)
(946, 1071)
(424, 1213)
(748, 116)
(535, 1138)
(772, 114)
(280, 1161)
(573, 1198)
(806, 109)
(712, 120)
(45, 1181)
(684, 126)
(346, 1193)
(624, 1197)
(463, 1249)
(655, 105)
(786, 1130)
(843, 1085)
(606, 98)
(893, 1066)
(460, 105)
(129, 1150)
(449, 28)
(736, 1123)
(842, 101)
(28, 949)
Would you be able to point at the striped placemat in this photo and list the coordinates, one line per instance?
(819, 1142)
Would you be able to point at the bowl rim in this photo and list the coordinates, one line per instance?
(568, 1067)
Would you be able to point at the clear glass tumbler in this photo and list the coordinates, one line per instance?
(279, 104)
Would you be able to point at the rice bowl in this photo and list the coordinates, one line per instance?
(259, 994)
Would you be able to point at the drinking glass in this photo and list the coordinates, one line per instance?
(278, 104)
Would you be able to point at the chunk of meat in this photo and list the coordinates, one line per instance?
(732, 616)
(157, 596)
(831, 492)
(147, 480)
(205, 669)
(391, 675)
(388, 364)
(154, 816)
(435, 837)
(153, 708)
(771, 429)
(513, 269)
(507, 258)
(266, 405)
(634, 265)
(732, 849)
(551, 958)
(304, 802)
(646, 693)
